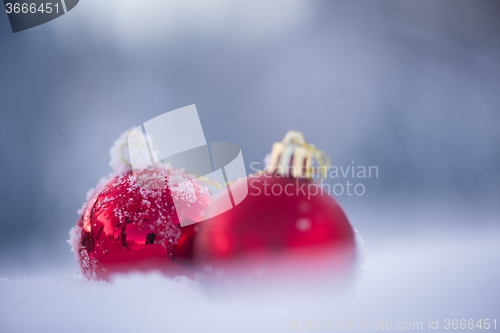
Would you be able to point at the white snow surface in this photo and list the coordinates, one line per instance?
(414, 278)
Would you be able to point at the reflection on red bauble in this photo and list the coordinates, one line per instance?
(131, 224)
(282, 219)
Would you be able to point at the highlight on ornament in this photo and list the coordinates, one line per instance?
(168, 207)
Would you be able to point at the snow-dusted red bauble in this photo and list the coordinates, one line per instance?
(130, 224)
(130, 221)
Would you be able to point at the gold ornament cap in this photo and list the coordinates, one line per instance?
(293, 156)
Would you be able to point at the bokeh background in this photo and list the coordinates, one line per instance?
(412, 87)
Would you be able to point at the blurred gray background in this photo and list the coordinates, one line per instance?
(412, 87)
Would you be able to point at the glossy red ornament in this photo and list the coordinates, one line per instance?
(282, 219)
(131, 224)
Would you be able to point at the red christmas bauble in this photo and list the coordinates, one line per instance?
(131, 224)
(282, 220)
